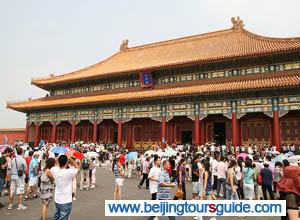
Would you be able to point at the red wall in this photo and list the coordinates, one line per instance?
(12, 135)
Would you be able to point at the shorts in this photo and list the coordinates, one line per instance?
(26, 179)
(195, 187)
(33, 181)
(17, 186)
(119, 182)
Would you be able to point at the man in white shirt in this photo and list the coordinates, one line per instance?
(153, 177)
(63, 178)
(214, 164)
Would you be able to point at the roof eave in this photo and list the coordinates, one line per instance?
(48, 85)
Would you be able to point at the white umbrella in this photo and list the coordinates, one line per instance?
(149, 153)
(92, 154)
(160, 153)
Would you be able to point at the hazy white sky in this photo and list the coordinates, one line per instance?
(58, 36)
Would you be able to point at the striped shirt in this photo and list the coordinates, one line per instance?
(116, 171)
(163, 192)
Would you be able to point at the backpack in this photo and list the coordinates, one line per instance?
(259, 180)
(85, 164)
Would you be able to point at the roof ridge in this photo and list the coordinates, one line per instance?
(262, 37)
(181, 39)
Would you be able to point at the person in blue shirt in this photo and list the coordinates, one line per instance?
(33, 176)
(267, 180)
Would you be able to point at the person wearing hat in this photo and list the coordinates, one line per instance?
(33, 176)
(267, 181)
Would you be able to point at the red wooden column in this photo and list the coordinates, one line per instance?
(197, 130)
(234, 129)
(95, 131)
(36, 138)
(26, 133)
(129, 135)
(73, 132)
(163, 128)
(120, 132)
(53, 136)
(276, 126)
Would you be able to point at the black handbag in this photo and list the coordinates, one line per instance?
(20, 171)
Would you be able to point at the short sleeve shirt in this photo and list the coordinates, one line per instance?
(163, 193)
(33, 163)
(154, 173)
(63, 184)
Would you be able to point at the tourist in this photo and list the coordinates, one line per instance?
(239, 175)
(28, 160)
(289, 188)
(165, 185)
(47, 186)
(214, 164)
(3, 172)
(195, 176)
(153, 177)
(207, 180)
(18, 167)
(92, 173)
(181, 178)
(119, 174)
(33, 176)
(256, 166)
(145, 168)
(130, 168)
(153, 180)
(278, 173)
(231, 182)
(85, 174)
(122, 160)
(221, 170)
(267, 180)
(248, 180)
(63, 178)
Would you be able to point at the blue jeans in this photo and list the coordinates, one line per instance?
(230, 195)
(62, 211)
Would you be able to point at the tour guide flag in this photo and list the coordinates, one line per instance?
(41, 144)
(146, 79)
(5, 139)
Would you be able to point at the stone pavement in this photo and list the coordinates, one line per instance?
(90, 204)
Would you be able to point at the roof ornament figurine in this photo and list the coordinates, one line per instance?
(124, 45)
(51, 75)
(237, 23)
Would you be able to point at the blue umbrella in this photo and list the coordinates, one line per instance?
(59, 150)
(131, 156)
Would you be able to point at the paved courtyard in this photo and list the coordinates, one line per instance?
(90, 205)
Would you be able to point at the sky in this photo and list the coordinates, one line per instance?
(38, 38)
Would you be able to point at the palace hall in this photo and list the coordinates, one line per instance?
(230, 87)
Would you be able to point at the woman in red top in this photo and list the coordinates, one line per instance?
(289, 188)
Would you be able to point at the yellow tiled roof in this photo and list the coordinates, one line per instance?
(231, 84)
(224, 44)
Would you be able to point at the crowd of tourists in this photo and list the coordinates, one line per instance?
(48, 172)
(52, 171)
(216, 172)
